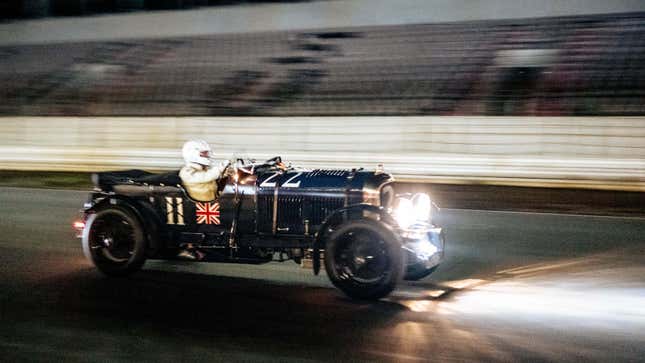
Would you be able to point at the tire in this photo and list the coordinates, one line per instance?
(364, 259)
(114, 241)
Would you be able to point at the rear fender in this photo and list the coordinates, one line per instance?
(145, 213)
(345, 214)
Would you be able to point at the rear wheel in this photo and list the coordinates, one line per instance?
(364, 259)
(114, 241)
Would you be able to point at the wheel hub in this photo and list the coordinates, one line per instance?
(108, 242)
(359, 259)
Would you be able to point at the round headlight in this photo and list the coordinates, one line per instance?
(404, 212)
(421, 205)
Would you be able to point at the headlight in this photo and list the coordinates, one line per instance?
(404, 213)
(421, 204)
(416, 209)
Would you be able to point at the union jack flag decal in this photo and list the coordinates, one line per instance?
(207, 213)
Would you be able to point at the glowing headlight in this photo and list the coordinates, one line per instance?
(421, 204)
(416, 209)
(404, 213)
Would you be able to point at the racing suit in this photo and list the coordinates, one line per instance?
(200, 180)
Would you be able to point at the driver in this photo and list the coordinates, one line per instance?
(198, 175)
(199, 178)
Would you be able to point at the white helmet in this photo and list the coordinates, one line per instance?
(197, 151)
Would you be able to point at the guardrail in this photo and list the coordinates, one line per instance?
(589, 152)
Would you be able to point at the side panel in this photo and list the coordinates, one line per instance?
(182, 214)
(247, 207)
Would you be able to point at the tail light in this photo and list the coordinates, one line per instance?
(79, 226)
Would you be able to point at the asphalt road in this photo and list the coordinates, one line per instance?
(514, 287)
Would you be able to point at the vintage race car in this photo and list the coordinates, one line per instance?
(368, 237)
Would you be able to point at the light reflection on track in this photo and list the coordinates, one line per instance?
(594, 291)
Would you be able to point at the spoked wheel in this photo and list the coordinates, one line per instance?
(114, 242)
(364, 259)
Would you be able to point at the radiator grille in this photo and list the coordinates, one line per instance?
(293, 210)
(321, 207)
(290, 213)
(265, 213)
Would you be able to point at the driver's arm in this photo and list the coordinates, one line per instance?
(221, 168)
(213, 173)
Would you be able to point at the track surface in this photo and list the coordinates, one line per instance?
(514, 287)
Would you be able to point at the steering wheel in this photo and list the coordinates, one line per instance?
(248, 166)
(240, 164)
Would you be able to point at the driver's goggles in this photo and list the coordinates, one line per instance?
(204, 154)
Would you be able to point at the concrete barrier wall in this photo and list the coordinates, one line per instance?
(592, 152)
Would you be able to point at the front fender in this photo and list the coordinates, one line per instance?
(342, 215)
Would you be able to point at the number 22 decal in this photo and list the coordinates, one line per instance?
(290, 183)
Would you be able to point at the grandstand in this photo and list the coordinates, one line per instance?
(574, 65)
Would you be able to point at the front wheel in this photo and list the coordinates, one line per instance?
(364, 259)
(114, 241)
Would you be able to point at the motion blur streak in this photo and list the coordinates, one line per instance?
(544, 267)
(587, 65)
(563, 151)
(295, 15)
